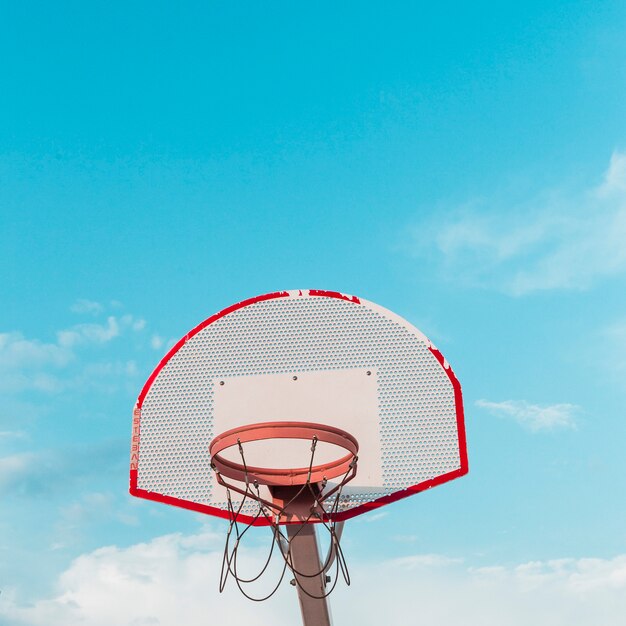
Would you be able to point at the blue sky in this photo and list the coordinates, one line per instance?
(462, 165)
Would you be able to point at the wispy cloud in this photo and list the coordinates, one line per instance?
(423, 560)
(612, 345)
(45, 472)
(91, 507)
(98, 333)
(12, 434)
(615, 177)
(173, 579)
(89, 333)
(86, 306)
(557, 241)
(18, 352)
(29, 364)
(156, 341)
(375, 517)
(534, 417)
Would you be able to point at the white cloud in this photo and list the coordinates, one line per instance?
(615, 177)
(15, 410)
(89, 333)
(12, 434)
(42, 472)
(374, 517)
(104, 376)
(422, 560)
(86, 306)
(91, 507)
(611, 344)
(554, 242)
(438, 590)
(27, 363)
(533, 416)
(82, 334)
(16, 467)
(18, 352)
(34, 365)
(173, 580)
(156, 341)
(139, 324)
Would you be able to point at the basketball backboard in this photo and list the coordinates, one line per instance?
(313, 356)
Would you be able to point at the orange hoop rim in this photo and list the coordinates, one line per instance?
(283, 430)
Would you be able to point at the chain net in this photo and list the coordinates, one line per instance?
(320, 513)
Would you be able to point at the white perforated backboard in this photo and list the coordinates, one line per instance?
(306, 356)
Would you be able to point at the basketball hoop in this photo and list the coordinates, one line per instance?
(314, 356)
(299, 496)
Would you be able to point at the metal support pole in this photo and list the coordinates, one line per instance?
(306, 559)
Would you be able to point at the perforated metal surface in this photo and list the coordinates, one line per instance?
(419, 420)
